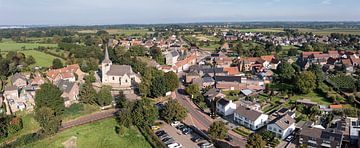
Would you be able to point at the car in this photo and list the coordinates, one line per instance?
(164, 136)
(154, 128)
(174, 145)
(175, 123)
(206, 145)
(180, 127)
(289, 138)
(160, 133)
(169, 141)
(187, 131)
(196, 139)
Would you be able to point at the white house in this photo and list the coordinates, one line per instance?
(250, 118)
(225, 107)
(172, 57)
(282, 126)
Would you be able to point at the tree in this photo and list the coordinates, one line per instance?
(88, 94)
(193, 90)
(255, 141)
(173, 111)
(90, 78)
(30, 60)
(217, 130)
(57, 63)
(316, 69)
(172, 81)
(50, 96)
(104, 96)
(305, 82)
(48, 120)
(158, 88)
(144, 114)
(292, 52)
(285, 72)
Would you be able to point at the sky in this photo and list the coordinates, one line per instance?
(98, 12)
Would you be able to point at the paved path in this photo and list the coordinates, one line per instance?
(88, 118)
(203, 121)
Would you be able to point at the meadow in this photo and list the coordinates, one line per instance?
(96, 135)
(13, 46)
(118, 31)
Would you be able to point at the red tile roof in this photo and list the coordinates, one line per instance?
(268, 57)
(66, 72)
(336, 106)
(232, 70)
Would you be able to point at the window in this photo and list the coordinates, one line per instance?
(270, 128)
(113, 78)
(280, 130)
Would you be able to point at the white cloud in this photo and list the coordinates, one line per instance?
(326, 2)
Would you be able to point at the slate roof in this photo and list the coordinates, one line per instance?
(223, 102)
(284, 122)
(248, 113)
(10, 88)
(17, 76)
(65, 85)
(228, 78)
(119, 70)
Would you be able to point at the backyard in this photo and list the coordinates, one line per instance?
(97, 134)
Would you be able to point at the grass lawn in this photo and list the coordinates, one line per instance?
(29, 126)
(42, 59)
(77, 110)
(96, 135)
(13, 46)
(313, 97)
(232, 97)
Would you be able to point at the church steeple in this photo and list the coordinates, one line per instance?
(106, 59)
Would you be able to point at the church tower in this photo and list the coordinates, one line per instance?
(105, 66)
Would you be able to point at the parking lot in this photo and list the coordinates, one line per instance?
(181, 134)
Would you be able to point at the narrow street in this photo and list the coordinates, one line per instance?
(203, 121)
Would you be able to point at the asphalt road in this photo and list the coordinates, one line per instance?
(201, 120)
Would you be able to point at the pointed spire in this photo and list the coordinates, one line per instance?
(106, 59)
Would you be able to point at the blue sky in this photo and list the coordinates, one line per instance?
(89, 12)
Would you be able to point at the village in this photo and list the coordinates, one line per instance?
(247, 93)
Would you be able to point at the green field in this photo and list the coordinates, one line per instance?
(313, 97)
(12, 46)
(119, 31)
(99, 134)
(42, 59)
(29, 126)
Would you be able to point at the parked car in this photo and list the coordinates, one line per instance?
(187, 131)
(196, 139)
(180, 127)
(289, 138)
(154, 128)
(168, 140)
(174, 145)
(164, 136)
(175, 123)
(160, 133)
(206, 145)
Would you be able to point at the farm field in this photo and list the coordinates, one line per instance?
(97, 134)
(13, 46)
(42, 59)
(119, 31)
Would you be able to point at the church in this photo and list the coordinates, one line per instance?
(118, 76)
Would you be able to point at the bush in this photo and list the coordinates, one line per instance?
(151, 137)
